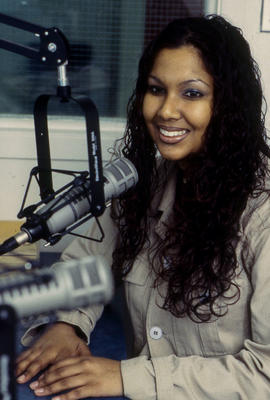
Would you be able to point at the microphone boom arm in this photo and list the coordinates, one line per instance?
(53, 48)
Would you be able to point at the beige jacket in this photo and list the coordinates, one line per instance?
(225, 359)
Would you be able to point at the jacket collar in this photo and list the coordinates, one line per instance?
(165, 199)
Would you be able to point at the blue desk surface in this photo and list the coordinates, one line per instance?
(107, 340)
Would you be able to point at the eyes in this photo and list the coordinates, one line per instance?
(189, 93)
(193, 93)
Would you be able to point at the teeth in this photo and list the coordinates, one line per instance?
(172, 133)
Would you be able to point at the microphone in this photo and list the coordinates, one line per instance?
(119, 176)
(66, 285)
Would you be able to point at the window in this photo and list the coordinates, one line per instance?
(106, 38)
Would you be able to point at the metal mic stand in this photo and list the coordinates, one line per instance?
(93, 141)
(53, 51)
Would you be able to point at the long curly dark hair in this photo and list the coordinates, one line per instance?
(230, 167)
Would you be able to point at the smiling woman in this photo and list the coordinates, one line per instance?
(177, 106)
(190, 243)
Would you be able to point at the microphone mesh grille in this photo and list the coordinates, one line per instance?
(76, 277)
(93, 274)
(116, 173)
(125, 167)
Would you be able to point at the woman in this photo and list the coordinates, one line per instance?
(191, 241)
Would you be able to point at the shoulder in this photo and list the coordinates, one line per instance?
(255, 221)
(257, 210)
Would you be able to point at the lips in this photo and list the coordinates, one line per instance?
(173, 132)
(172, 135)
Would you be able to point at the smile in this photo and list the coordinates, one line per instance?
(167, 133)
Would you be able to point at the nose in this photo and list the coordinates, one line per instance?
(170, 109)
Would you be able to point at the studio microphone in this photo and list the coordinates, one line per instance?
(65, 286)
(74, 204)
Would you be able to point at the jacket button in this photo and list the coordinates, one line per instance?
(155, 332)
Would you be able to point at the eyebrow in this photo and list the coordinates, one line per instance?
(184, 82)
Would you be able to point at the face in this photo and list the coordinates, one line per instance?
(177, 106)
